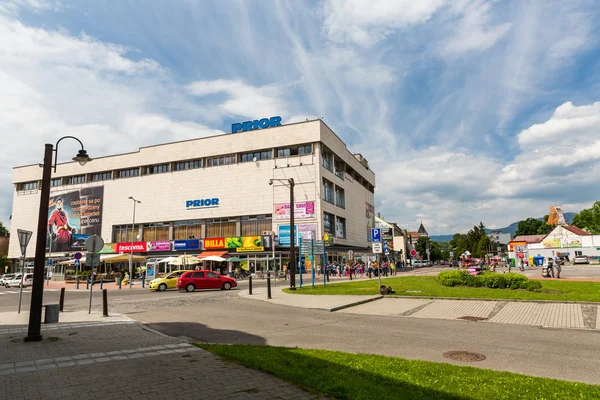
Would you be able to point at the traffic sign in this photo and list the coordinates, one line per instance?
(386, 249)
(377, 248)
(413, 253)
(92, 259)
(350, 255)
(24, 237)
(49, 262)
(78, 256)
(77, 263)
(376, 235)
(94, 244)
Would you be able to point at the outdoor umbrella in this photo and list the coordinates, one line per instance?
(235, 259)
(185, 259)
(214, 258)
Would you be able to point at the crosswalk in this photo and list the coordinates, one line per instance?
(25, 290)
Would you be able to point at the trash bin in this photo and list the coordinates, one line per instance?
(51, 314)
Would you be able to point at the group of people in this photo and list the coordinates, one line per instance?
(360, 269)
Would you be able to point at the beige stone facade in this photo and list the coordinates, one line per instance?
(242, 187)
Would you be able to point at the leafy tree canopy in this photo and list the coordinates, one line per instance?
(589, 219)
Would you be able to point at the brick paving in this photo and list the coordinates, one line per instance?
(453, 309)
(559, 315)
(121, 360)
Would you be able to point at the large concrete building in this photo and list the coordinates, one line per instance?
(207, 194)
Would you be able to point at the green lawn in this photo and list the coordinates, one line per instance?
(428, 286)
(363, 376)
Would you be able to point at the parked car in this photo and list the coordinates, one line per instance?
(581, 260)
(168, 281)
(16, 281)
(5, 278)
(420, 263)
(203, 279)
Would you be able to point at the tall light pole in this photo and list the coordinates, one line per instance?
(37, 290)
(290, 183)
(132, 241)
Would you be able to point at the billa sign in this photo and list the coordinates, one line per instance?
(214, 243)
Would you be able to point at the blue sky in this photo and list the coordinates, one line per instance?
(467, 110)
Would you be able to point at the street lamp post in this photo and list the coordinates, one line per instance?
(37, 290)
(292, 265)
(132, 241)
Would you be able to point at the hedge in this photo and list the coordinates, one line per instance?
(488, 279)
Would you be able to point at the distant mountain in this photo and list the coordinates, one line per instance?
(512, 228)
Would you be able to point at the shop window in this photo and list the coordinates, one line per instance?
(185, 165)
(101, 176)
(340, 197)
(340, 227)
(128, 173)
(224, 227)
(74, 180)
(155, 232)
(294, 150)
(222, 160)
(56, 182)
(123, 233)
(28, 186)
(255, 225)
(328, 191)
(157, 169)
(259, 155)
(191, 229)
(328, 220)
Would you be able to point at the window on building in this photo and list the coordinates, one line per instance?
(328, 191)
(294, 150)
(128, 173)
(340, 227)
(340, 197)
(255, 225)
(157, 169)
(185, 165)
(340, 167)
(101, 176)
(28, 186)
(259, 155)
(328, 220)
(578, 253)
(224, 227)
(191, 229)
(123, 233)
(327, 157)
(155, 231)
(56, 182)
(222, 160)
(74, 180)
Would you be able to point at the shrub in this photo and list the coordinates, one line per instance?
(453, 278)
(493, 281)
(517, 280)
(533, 286)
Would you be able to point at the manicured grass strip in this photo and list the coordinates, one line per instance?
(364, 376)
(428, 286)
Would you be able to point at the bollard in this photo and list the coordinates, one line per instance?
(87, 283)
(100, 283)
(61, 302)
(268, 285)
(350, 273)
(104, 303)
(250, 284)
(143, 282)
(120, 280)
(77, 282)
(328, 276)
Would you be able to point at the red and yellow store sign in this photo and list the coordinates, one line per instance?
(214, 243)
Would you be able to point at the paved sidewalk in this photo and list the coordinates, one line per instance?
(123, 360)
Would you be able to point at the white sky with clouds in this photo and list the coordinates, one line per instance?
(467, 110)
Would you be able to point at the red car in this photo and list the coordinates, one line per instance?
(204, 279)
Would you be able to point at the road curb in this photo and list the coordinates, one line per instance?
(487, 299)
(356, 303)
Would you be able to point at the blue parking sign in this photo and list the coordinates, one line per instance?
(376, 234)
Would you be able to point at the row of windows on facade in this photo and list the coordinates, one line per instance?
(338, 167)
(334, 225)
(192, 229)
(339, 199)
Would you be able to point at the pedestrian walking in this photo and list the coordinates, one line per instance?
(557, 262)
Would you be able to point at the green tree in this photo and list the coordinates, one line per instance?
(533, 226)
(589, 219)
(435, 253)
(3, 230)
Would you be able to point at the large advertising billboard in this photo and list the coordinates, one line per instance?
(370, 215)
(73, 217)
(303, 209)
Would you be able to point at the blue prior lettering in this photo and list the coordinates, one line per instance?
(236, 127)
(275, 121)
(189, 203)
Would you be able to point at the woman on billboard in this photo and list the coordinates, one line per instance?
(60, 220)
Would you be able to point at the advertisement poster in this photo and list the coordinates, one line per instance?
(138, 247)
(163, 245)
(109, 248)
(370, 215)
(340, 229)
(73, 216)
(304, 209)
(308, 231)
(557, 243)
(183, 245)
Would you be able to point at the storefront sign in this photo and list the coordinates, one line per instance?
(256, 124)
(304, 209)
(138, 247)
(202, 203)
(214, 243)
(109, 248)
(512, 245)
(182, 245)
(163, 245)
(308, 231)
(249, 249)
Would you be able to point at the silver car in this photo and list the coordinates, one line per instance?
(581, 260)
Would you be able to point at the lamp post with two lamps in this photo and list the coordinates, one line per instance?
(132, 241)
(292, 267)
(37, 290)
